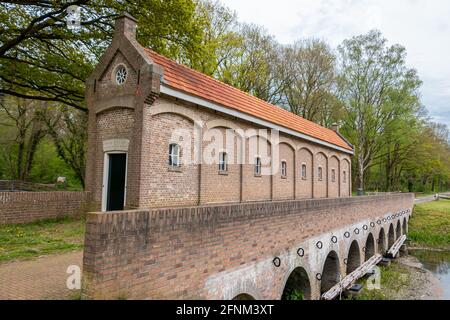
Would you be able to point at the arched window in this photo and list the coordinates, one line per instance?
(257, 166)
(304, 177)
(320, 173)
(223, 159)
(174, 155)
(283, 169)
(333, 175)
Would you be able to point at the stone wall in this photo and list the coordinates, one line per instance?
(24, 207)
(205, 252)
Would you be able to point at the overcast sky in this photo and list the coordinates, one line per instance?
(422, 26)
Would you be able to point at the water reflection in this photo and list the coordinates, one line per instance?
(438, 262)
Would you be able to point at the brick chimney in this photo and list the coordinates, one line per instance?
(126, 25)
(335, 127)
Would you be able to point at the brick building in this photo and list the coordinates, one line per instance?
(225, 195)
(164, 135)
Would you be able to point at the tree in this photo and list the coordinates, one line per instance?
(257, 67)
(42, 59)
(68, 131)
(221, 39)
(24, 119)
(311, 77)
(376, 90)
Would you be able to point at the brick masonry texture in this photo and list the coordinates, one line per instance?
(24, 207)
(174, 253)
(152, 184)
(197, 232)
(137, 112)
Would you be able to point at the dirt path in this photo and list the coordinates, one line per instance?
(38, 279)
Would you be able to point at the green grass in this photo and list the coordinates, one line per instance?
(430, 225)
(41, 238)
(394, 279)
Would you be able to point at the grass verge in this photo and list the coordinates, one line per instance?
(394, 279)
(430, 225)
(41, 238)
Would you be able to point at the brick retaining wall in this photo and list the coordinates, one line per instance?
(169, 253)
(23, 207)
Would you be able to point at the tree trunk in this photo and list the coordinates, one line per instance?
(35, 138)
(360, 172)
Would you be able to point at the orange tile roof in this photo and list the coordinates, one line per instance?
(187, 80)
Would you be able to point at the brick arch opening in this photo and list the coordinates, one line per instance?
(353, 257)
(305, 161)
(243, 296)
(382, 242)
(334, 177)
(330, 272)
(369, 248)
(391, 236)
(320, 175)
(405, 226)
(298, 286)
(398, 230)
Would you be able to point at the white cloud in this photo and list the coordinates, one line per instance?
(422, 26)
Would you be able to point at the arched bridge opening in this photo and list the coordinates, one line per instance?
(353, 260)
(298, 286)
(369, 249)
(331, 272)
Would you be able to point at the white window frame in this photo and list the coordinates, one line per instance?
(223, 161)
(106, 176)
(172, 164)
(303, 172)
(320, 173)
(258, 166)
(284, 169)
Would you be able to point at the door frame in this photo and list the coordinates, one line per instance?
(106, 178)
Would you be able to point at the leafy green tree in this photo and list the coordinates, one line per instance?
(221, 40)
(257, 67)
(311, 76)
(377, 90)
(42, 59)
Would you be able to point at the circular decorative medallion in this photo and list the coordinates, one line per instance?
(121, 75)
(277, 262)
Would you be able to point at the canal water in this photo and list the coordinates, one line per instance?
(438, 262)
